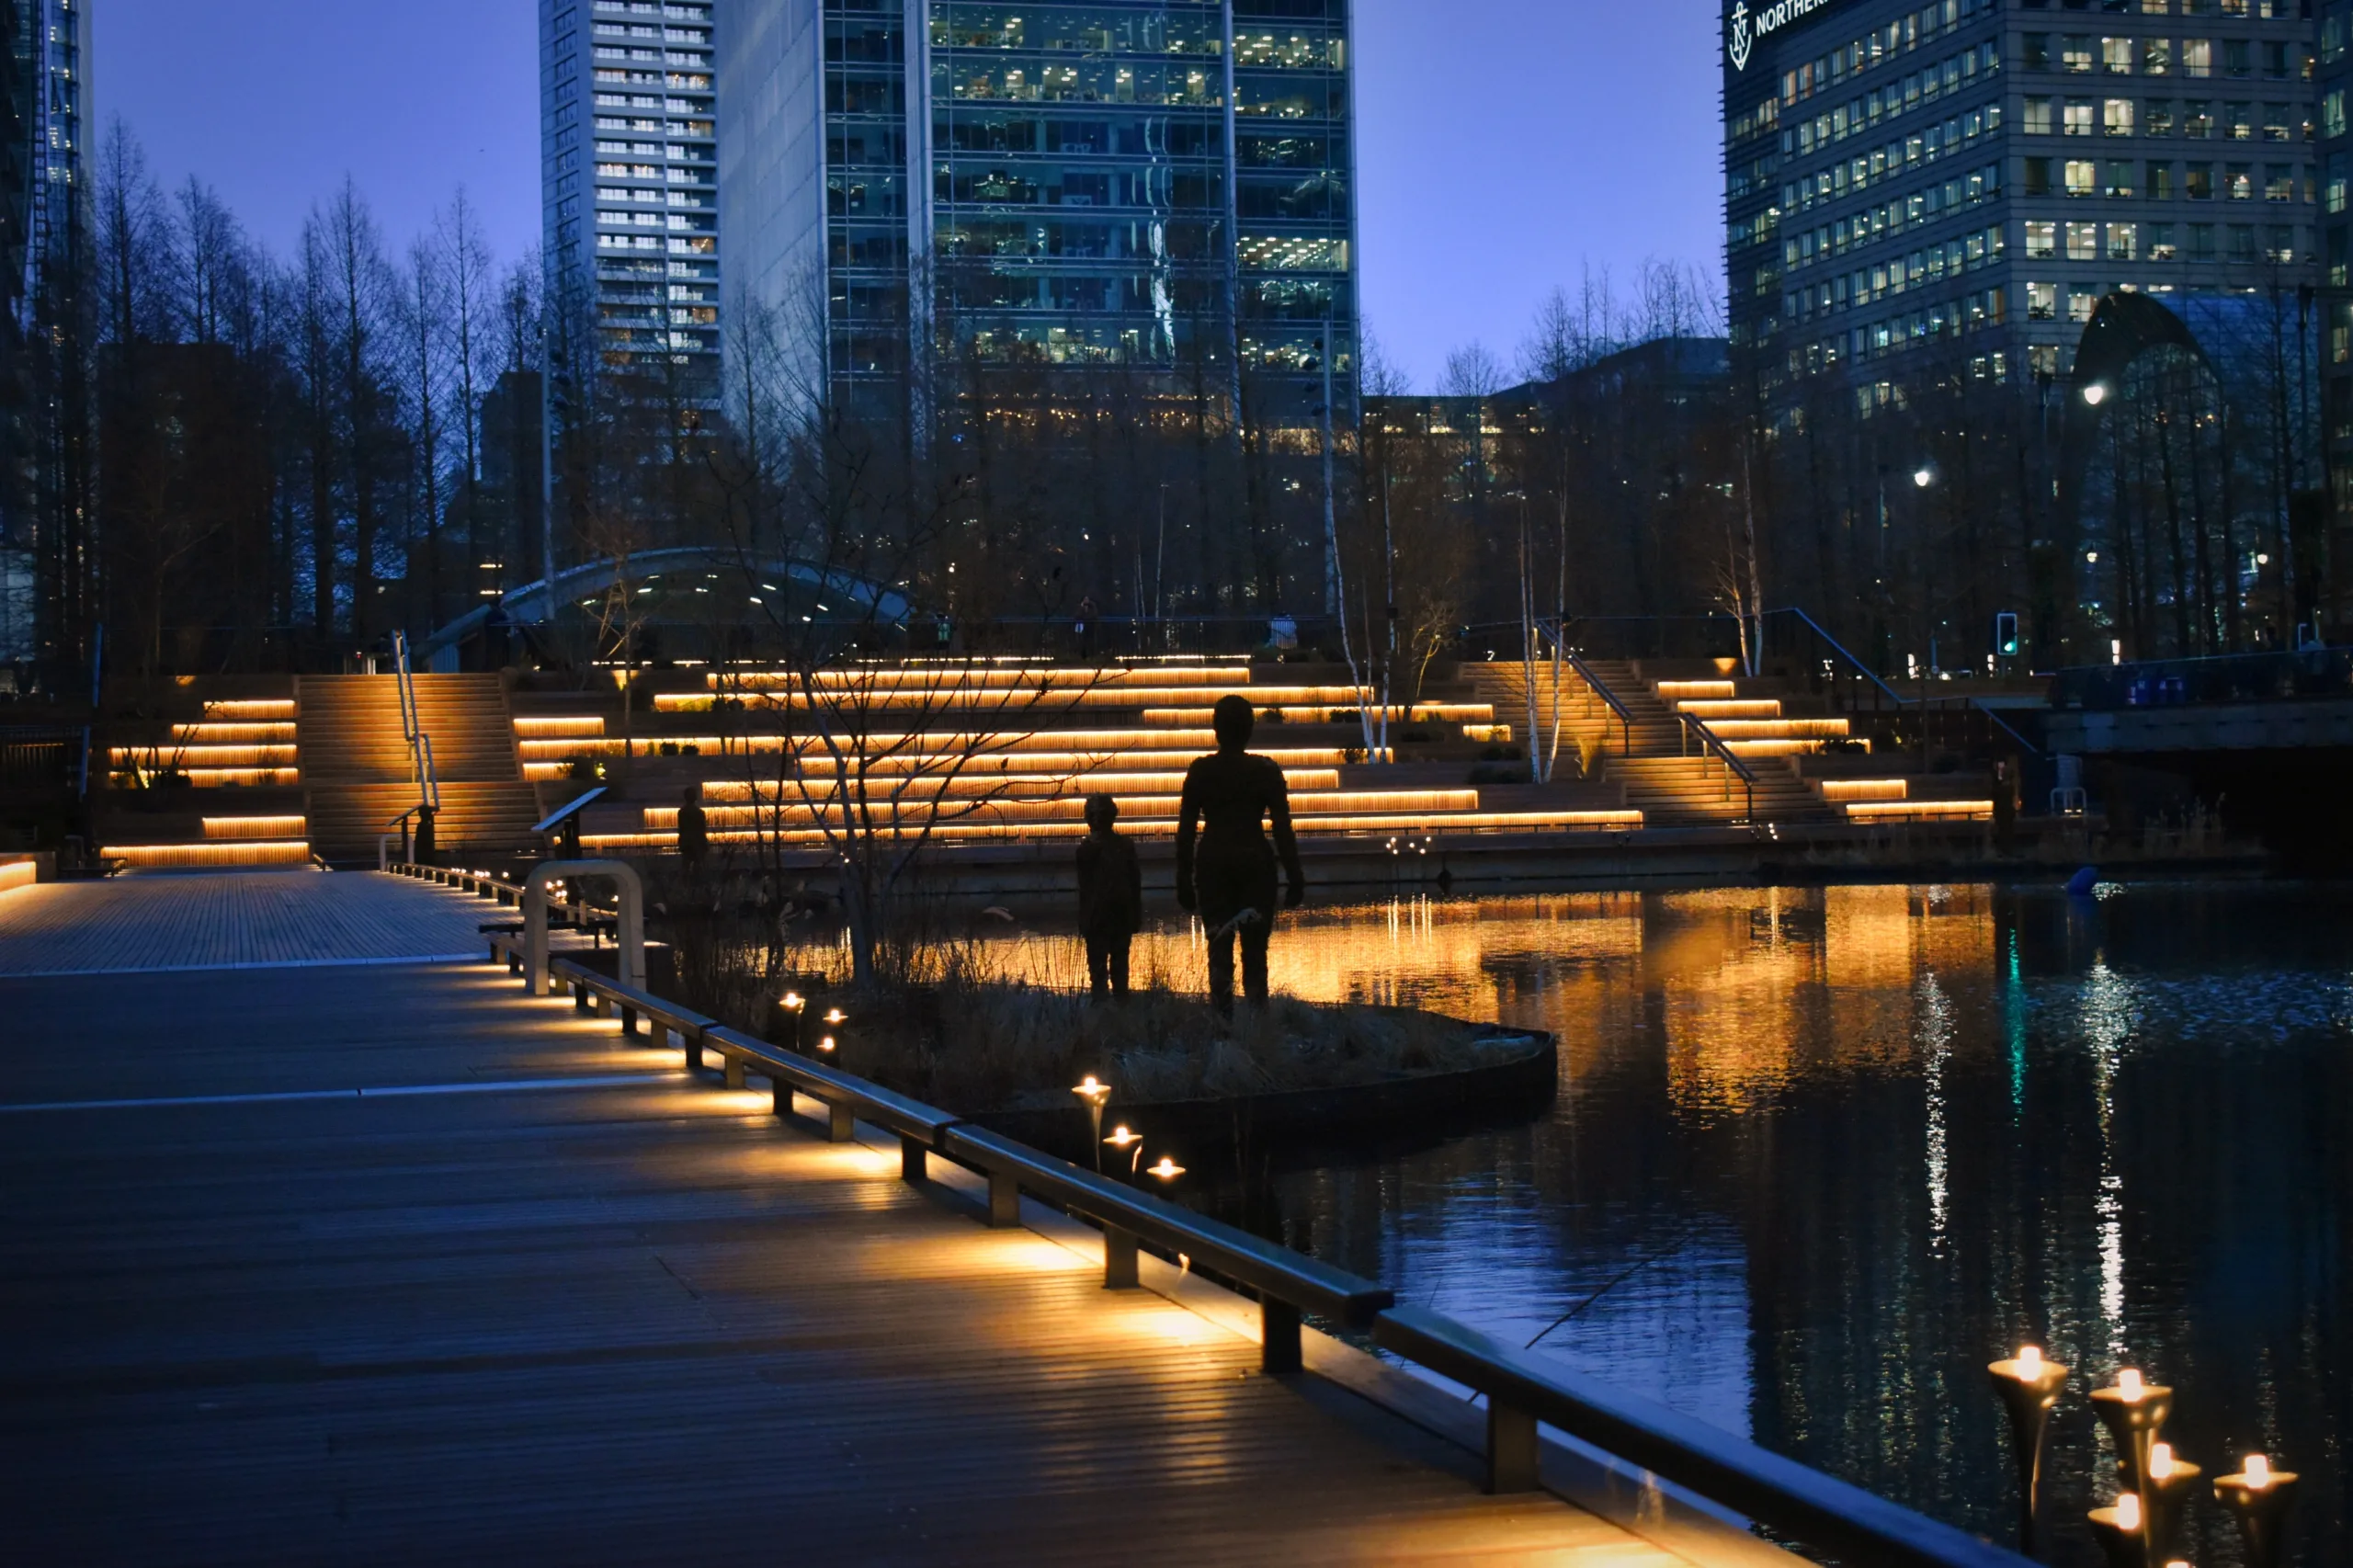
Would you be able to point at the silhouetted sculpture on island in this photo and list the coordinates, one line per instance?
(1110, 898)
(1232, 881)
(694, 831)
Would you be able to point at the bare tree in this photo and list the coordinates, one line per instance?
(425, 301)
(467, 269)
(356, 274)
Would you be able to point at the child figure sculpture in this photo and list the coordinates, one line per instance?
(1110, 898)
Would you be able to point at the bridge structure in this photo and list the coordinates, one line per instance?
(327, 1241)
(2265, 740)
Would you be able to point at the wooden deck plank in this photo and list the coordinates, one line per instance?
(628, 1323)
(197, 920)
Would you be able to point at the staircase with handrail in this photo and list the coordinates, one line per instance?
(377, 747)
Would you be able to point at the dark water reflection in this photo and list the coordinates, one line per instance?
(1818, 1156)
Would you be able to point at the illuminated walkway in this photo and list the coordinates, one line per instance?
(547, 1300)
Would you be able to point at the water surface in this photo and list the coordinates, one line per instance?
(1819, 1155)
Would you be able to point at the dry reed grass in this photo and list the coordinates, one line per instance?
(973, 1026)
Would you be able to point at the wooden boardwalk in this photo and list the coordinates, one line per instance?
(227, 920)
(389, 1264)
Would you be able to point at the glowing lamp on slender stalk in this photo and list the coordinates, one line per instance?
(1166, 1170)
(1122, 1138)
(2165, 1498)
(1094, 1094)
(2119, 1529)
(793, 1003)
(2028, 1385)
(2258, 1497)
(2133, 1411)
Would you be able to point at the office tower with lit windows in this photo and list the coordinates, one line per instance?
(44, 235)
(1150, 187)
(1958, 183)
(2332, 83)
(628, 177)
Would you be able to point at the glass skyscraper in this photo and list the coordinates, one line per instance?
(44, 232)
(1154, 186)
(629, 180)
(1970, 177)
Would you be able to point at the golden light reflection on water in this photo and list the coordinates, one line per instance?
(1752, 988)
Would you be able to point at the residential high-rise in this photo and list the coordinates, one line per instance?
(629, 182)
(1160, 187)
(1972, 176)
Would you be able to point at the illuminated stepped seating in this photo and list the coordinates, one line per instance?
(1665, 773)
(1162, 694)
(240, 768)
(994, 760)
(357, 772)
(1749, 726)
(1056, 753)
(1890, 800)
(238, 744)
(227, 841)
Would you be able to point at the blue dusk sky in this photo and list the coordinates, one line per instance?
(1503, 145)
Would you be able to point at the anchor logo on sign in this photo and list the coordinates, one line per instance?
(1737, 45)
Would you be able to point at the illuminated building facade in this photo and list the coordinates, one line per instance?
(1161, 187)
(1960, 182)
(629, 181)
(2333, 78)
(44, 226)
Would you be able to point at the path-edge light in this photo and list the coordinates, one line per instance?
(1166, 1170)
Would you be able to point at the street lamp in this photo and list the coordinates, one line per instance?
(1924, 476)
(2096, 394)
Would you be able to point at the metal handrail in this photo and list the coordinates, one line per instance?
(1840, 649)
(1733, 766)
(1521, 1389)
(1780, 1493)
(1896, 696)
(1599, 687)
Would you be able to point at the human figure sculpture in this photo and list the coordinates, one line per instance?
(1110, 898)
(1231, 882)
(694, 831)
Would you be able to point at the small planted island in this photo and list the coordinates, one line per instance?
(1287, 1078)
